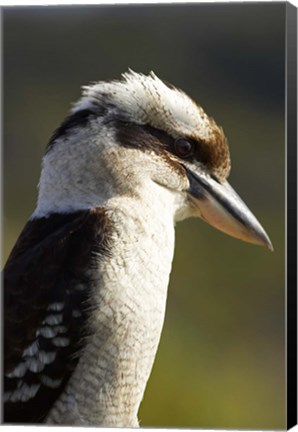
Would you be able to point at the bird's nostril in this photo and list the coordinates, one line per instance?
(214, 178)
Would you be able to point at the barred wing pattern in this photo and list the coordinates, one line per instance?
(46, 306)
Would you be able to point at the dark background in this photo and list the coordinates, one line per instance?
(221, 358)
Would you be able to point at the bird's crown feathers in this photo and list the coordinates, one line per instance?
(146, 99)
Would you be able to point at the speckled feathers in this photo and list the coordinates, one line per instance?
(147, 100)
(86, 284)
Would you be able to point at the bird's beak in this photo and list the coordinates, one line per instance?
(220, 206)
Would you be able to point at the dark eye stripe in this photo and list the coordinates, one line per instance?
(146, 137)
(77, 119)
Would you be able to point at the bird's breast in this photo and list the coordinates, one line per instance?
(127, 320)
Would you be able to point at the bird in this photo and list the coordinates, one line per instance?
(85, 285)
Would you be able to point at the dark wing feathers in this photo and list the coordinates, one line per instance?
(46, 304)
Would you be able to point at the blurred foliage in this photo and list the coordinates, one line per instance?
(221, 358)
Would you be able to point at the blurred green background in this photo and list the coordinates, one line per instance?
(221, 358)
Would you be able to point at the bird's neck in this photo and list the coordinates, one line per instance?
(130, 306)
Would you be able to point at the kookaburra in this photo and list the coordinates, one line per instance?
(85, 286)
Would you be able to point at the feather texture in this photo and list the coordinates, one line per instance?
(46, 305)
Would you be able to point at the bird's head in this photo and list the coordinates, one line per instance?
(135, 138)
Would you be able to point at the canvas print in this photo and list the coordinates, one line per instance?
(144, 219)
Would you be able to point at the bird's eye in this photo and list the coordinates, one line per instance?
(184, 148)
